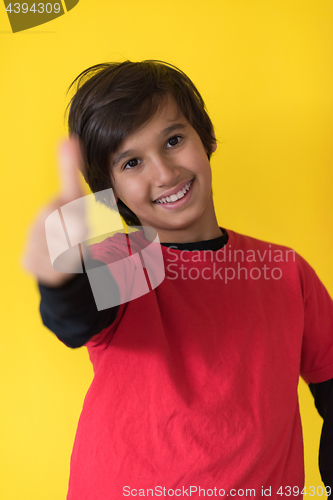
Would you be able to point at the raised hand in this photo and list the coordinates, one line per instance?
(36, 257)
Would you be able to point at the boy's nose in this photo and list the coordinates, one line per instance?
(163, 171)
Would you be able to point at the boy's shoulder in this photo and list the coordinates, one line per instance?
(280, 255)
(263, 249)
(246, 241)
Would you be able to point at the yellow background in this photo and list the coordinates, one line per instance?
(264, 68)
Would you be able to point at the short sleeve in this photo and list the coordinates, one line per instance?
(317, 345)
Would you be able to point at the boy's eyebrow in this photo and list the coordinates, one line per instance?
(175, 126)
(166, 131)
(117, 158)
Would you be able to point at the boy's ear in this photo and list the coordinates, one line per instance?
(214, 147)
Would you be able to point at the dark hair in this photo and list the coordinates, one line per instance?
(112, 100)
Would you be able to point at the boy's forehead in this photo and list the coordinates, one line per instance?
(168, 112)
(166, 119)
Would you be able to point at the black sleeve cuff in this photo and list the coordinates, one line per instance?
(70, 311)
(323, 394)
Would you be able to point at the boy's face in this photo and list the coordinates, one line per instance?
(165, 160)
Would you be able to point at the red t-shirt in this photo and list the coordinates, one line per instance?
(195, 386)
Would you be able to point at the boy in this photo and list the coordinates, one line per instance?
(195, 387)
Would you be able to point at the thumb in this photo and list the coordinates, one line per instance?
(70, 161)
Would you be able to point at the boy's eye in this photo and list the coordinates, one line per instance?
(174, 141)
(131, 163)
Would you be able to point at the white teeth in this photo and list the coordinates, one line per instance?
(174, 197)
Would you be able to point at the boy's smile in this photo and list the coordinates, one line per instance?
(175, 195)
(162, 173)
